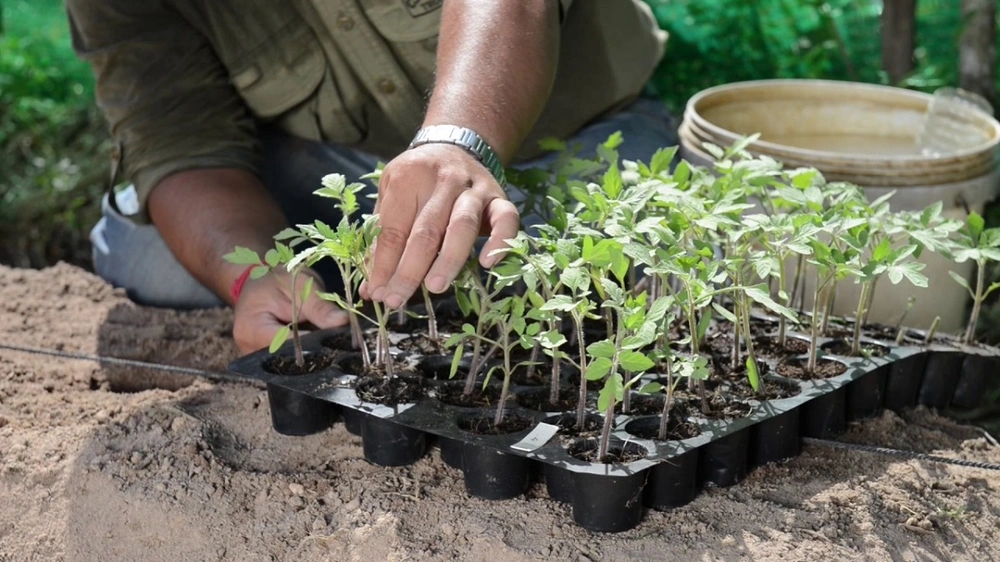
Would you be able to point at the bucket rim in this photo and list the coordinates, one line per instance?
(691, 112)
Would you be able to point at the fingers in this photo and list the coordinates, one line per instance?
(462, 231)
(397, 208)
(421, 250)
(254, 329)
(430, 225)
(502, 217)
(266, 307)
(322, 314)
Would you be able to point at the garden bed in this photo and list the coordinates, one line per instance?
(88, 472)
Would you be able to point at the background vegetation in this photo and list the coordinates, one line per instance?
(53, 151)
(54, 147)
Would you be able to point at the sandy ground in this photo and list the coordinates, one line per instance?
(194, 472)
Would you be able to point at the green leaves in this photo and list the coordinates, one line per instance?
(635, 362)
(243, 256)
(258, 272)
(760, 295)
(598, 369)
(562, 303)
(611, 394)
(651, 388)
(602, 349)
(279, 339)
(961, 281)
(752, 374)
(975, 225)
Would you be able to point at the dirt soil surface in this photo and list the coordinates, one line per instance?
(179, 470)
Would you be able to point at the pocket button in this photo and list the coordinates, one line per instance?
(345, 22)
(386, 86)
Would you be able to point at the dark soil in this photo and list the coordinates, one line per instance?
(767, 346)
(592, 424)
(438, 367)
(539, 400)
(879, 331)
(916, 338)
(678, 427)
(449, 316)
(644, 404)
(421, 344)
(723, 368)
(525, 376)
(617, 453)
(511, 423)
(451, 393)
(574, 380)
(390, 391)
(825, 369)
(285, 364)
(873, 331)
(769, 390)
(341, 341)
(843, 348)
(763, 346)
(720, 407)
(352, 364)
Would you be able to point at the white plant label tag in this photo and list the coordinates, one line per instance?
(538, 437)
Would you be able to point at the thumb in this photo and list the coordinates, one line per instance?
(323, 314)
(256, 331)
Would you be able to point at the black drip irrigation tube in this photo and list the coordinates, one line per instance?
(173, 369)
(616, 497)
(898, 453)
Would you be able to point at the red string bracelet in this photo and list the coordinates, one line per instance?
(238, 284)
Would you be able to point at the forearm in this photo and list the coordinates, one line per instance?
(204, 214)
(480, 44)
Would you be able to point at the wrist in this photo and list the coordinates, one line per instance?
(468, 140)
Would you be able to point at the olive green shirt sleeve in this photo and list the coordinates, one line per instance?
(167, 98)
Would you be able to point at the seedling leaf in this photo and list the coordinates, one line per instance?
(279, 338)
(752, 374)
(651, 388)
(961, 281)
(611, 393)
(598, 368)
(243, 256)
(759, 294)
(603, 349)
(307, 289)
(456, 360)
(258, 272)
(635, 362)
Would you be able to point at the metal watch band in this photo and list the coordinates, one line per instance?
(467, 139)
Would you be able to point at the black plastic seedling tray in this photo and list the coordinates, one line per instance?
(611, 497)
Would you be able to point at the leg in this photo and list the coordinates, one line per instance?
(135, 256)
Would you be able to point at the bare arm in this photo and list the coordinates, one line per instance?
(204, 214)
(495, 69)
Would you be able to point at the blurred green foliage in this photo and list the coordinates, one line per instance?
(722, 41)
(53, 143)
(52, 140)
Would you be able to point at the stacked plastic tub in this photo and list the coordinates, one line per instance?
(880, 138)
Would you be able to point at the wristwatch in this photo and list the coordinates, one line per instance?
(466, 139)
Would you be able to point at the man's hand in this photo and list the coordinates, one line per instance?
(265, 305)
(496, 64)
(434, 201)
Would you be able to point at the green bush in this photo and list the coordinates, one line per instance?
(722, 41)
(52, 140)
